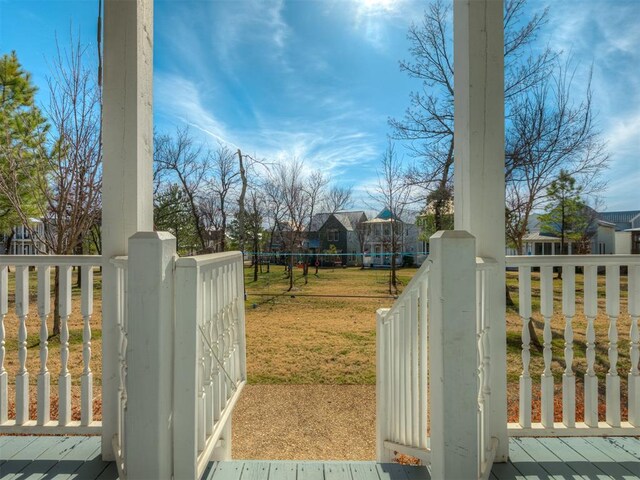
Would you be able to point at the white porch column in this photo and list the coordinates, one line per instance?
(479, 167)
(127, 191)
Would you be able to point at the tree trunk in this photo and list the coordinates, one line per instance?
(7, 243)
(56, 302)
(291, 271)
(509, 300)
(256, 258)
(243, 192)
(393, 280)
(534, 336)
(79, 251)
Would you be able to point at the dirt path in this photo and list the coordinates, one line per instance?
(305, 422)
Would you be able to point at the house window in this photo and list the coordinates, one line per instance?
(601, 248)
(333, 235)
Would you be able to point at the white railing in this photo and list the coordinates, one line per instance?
(43, 423)
(433, 374)
(209, 358)
(401, 372)
(589, 271)
(485, 267)
(118, 443)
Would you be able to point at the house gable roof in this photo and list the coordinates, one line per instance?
(623, 220)
(348, 220)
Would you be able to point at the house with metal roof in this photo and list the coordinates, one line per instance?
(627, 230)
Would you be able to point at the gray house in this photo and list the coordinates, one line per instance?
(341, 230)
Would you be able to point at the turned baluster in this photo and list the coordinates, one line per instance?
(44, 377)
(546, 380)
(524, 296)
(590, 378)
(568, 377)
(22, 378)
(4, 308)
(64, 380)
(634, 345)
(613, 379)
(86, 381)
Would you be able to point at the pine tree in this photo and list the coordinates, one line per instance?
(567, 215)
(23, 131)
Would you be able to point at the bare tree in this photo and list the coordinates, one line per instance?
(179, 158)
(69, 176)
(338, 197)
(362, 235)
(293, 193)
(226, 177)
(549, 133)
(427, 126)
(254, 216)
(315, 186)
(392, 192)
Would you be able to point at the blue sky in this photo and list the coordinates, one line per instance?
(318, 80)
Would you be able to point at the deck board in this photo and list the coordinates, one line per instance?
(546, 459)
(337, 471)
(598, 458)
(588, 458)
(284, 470)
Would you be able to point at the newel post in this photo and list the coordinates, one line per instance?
(148, 432)
(453, 356)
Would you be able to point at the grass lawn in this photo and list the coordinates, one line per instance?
(321, 333)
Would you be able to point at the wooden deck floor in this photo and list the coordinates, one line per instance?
(78, 458)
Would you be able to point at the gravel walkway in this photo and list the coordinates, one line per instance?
(305, 422)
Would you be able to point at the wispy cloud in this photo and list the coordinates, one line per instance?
(374, 20)
(333, 144)
(606, 35)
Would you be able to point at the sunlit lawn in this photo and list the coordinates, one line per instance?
(323, 331)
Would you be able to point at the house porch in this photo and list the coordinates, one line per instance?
(530, 458)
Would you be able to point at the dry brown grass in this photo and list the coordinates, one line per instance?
(304, 352)
(75, 324)
(579, 323)
(305, 422)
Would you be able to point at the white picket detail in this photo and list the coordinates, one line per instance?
(613, 311)
(121, 320)
(401, 372)
(568, 376)
(590, 378)
(44, 377)
(633, 378)
(86, 380)
(591, 266)
(485, 267)
(22, 378)
(546, 309)
(4, 376)
(524, 294)
(210, 358)
(424, 316)
(64, 380)
(22, 423)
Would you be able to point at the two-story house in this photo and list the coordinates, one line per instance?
(379, 246)
(342, 232)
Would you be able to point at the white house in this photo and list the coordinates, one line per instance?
(627, 230)
(378, 247)
(23, 242)
(602, 240)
